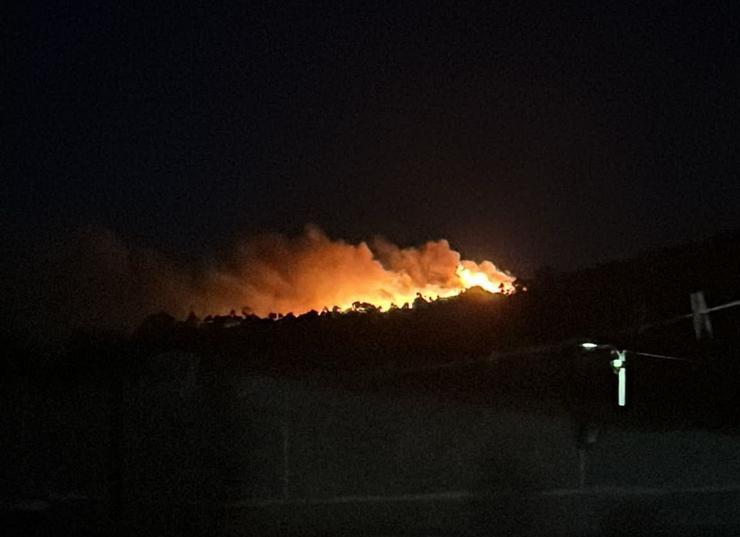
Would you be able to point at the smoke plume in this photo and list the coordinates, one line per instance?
(96, 280)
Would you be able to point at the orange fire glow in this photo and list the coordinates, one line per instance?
(281, 274)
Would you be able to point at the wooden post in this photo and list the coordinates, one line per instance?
(700, 314)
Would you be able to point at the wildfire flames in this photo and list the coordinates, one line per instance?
(278, 274)
(94, 279)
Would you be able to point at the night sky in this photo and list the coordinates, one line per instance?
(557, 136)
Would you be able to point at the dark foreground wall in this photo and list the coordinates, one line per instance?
(342, 461)
(182, 450)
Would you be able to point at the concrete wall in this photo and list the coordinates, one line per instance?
(316, 458)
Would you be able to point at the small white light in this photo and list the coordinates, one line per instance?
(588, 345)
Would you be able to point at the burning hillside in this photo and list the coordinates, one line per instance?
(95, 280)
(278, 274)
(274, 273)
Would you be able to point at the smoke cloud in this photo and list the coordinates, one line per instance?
(274, 273)
(95, 280)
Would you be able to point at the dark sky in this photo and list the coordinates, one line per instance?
(557, 136)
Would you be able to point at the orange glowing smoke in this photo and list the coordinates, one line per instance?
(274, 273)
